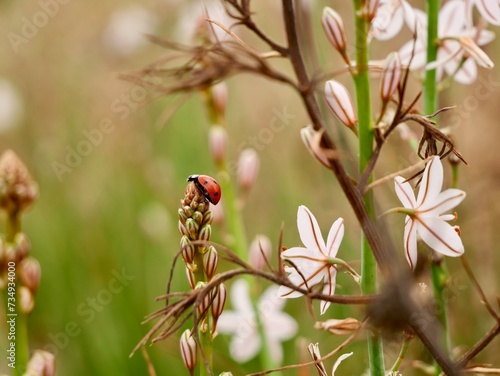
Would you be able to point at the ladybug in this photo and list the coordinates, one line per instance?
(208, 186)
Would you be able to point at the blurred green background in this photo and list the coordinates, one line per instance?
(113, 211)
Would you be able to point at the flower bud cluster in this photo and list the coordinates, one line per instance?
(18, 191)
(201, 260)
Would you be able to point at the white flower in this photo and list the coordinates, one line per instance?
(11, 106)
(489, 10)
(425, 213)
(242, 324)
(453, 31)
(316, 354)
(312, 264)
(126, 29)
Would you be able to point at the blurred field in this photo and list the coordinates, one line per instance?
(114, 212)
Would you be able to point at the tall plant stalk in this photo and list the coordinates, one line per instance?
(439, 274)
(365, 131)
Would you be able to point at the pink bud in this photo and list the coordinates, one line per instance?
(259, 251)
(217, 140)
(29, 272)
(188, 350)
(334, 29)
(218, 305)
(312, 140)
(340, 103)
(219, 97)
(391, 75)
(248, 168)
(210, 261)
(26, 299)
(41, 363)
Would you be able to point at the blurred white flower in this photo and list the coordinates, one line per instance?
(312, 263)
(192, 20)
(456, 40)
(11, 106)
(489, 10)
(278, 326)
(424, 213)
(127, 28)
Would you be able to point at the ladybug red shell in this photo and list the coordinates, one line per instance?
(208, 186)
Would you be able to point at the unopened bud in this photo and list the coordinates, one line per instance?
(18, 190)
(26, 300)
(334, 30)
(259, 251)
(219, 97)
(312, 141)
(340, 103)
(41, 363)
(182, 229)
(217, 141)
(22, 245)
(205, 232)
(191, 278)
(198, 217)
(339, 327)
(391, 74)
(187, 250)
(248, 168)
(188, 350)
(204, 305)
(182, 215)
(208, 217)
(210, 262)
(192, 228)
(218, 306)
(29, 272)
(188, 211)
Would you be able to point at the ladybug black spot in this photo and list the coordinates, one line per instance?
(216, 194)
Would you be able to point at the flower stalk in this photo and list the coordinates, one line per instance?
(366, 137)
(430, 96)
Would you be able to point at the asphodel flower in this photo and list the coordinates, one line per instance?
(340, 103)
(425, 213)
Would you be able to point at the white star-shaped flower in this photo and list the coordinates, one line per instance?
(425, 213)
(278, 326)
(313, 263)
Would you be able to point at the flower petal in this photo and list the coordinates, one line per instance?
(244, 347)
(388, 21)
(269, 302)
(405, 192)
(328, 288)
(452, 18)
(432, 181)
(310, 233)
(445, 201)
(280, 326)
(440, 236)
(415, 49)
(228, 322)
(339, 360)
(490, 10)
(335, 237)
(240, 297)
(410, 240)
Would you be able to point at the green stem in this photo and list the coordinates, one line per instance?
(21, 320)
(438, 271)
(366, 134)
(402, 353)
(205, 325)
